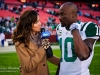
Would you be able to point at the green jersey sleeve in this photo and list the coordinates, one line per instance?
(91, 29)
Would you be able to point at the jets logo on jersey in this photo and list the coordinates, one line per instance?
(59, 32)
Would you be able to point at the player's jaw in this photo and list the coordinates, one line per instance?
(62, 23)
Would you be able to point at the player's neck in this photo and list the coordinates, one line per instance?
(75, 20)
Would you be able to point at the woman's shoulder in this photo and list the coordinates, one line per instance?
(31, 46)
(19, 44)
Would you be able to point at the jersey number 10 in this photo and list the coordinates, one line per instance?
(67, 49)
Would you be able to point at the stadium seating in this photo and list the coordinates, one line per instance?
(13, 2)
(5, 13)
(44, 15)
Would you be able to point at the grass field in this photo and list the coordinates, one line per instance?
(9, 63)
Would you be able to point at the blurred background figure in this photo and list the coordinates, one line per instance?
(2, 38)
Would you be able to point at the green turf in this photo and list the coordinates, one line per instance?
(9, 63)
(95, 64)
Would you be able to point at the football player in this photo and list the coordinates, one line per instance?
(77, 40)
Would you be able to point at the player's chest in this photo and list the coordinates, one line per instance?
(65, 34)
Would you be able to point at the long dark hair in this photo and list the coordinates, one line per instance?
(24, 27)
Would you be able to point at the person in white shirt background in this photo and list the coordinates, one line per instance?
(2, 38)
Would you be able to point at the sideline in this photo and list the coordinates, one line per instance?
(9, 49)
(97, 45)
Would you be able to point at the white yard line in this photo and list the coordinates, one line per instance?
(12, 48)
(97, 45)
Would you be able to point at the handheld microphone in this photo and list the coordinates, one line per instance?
(46, 44)
(45, 34)
(45, 40)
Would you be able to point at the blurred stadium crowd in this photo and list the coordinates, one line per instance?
(10, 11)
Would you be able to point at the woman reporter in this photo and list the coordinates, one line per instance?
(28, 44)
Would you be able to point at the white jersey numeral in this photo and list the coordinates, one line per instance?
(97, 29)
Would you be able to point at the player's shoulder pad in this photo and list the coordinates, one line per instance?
(92, 26)
(88, 25)
(91, 29)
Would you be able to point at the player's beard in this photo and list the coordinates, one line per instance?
(62, 23)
